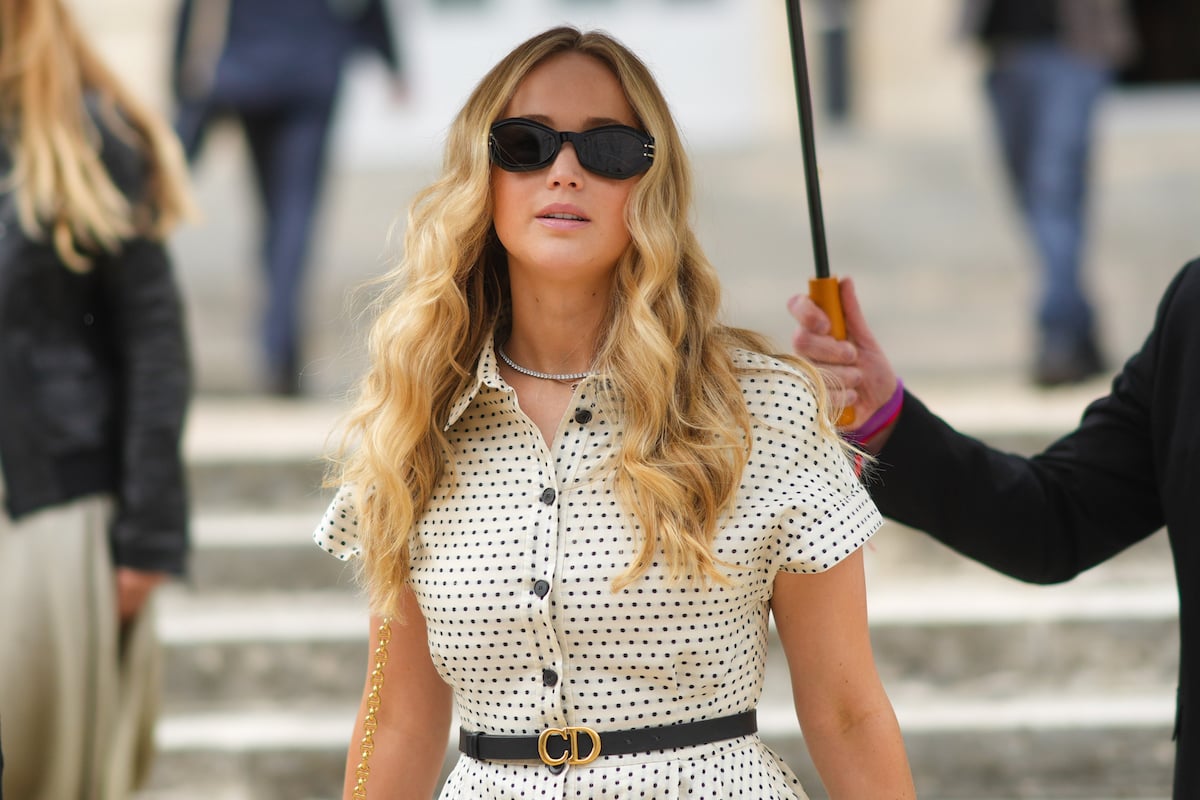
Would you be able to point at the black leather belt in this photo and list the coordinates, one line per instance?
(582, 745)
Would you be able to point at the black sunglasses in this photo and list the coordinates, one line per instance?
(614, 151)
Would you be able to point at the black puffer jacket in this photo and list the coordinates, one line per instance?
(94, 380)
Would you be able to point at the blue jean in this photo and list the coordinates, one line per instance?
(1043, 98)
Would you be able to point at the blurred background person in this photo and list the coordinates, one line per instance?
(1049, 63)
(94, 382)
(276, 66)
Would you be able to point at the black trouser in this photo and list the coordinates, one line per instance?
(288, 148)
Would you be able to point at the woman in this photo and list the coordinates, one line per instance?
(585, 493)
(93, 386)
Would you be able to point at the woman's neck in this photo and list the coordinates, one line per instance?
(556, 332)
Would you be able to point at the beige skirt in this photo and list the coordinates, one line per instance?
(78, 696)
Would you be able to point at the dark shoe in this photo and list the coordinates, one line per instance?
(1062, 363)
(283, 381)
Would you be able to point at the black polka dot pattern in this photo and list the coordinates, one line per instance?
(513, 563)
(338, 531)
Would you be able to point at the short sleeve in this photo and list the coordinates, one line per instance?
(799, 477)
(819, 532)
(337, 534)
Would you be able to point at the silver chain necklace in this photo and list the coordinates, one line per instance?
(545, 376)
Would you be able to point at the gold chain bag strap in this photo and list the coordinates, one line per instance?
(370, 723)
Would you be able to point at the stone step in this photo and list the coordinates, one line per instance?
(258, 452)
(964, 635)
(262, 649)
(271, 549)
(246, 452)
(898, 552)
(1062, 746)
(263, 550)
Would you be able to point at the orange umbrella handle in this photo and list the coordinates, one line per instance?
(824, 292)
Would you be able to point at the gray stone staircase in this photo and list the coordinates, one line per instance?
(1003, 690)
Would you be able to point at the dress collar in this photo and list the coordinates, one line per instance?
(487, 374)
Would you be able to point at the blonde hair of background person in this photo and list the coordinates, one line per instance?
(686, 421)
(62, 188)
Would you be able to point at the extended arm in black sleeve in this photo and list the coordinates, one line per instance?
(1043, 519)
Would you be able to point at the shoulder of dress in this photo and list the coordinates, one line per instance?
(777, 393)
(752, 367)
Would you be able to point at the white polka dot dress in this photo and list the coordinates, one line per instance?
(513, 563)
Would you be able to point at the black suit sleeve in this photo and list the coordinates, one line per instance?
(1043, 519)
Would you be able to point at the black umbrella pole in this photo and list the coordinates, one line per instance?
(812, 181)
(823, 289)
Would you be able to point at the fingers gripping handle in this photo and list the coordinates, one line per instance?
(824, 292)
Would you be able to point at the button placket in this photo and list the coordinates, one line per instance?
(571, 455)
(545, 556)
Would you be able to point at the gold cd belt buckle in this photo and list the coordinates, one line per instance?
(570, 735)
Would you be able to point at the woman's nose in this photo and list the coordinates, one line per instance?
(565, 169)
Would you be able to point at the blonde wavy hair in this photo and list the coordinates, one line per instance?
(686, 426)
(63, 191)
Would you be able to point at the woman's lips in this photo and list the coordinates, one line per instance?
(562, 217)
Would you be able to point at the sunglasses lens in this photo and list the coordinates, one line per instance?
(519, 146)
(613, 152)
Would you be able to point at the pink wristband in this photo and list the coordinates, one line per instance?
(884, 416)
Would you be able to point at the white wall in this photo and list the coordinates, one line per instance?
(706, 54)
